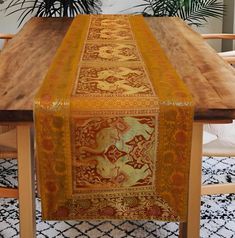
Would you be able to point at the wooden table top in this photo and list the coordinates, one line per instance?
(25, 60)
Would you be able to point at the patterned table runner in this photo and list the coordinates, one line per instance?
(113, 125)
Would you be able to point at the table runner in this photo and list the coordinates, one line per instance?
(113, 125)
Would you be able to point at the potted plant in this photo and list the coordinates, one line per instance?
(52, 8)
(195, 12)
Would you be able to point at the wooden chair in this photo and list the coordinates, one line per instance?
(218, 147)
(7, 139)
(16, 140)
(228, 56)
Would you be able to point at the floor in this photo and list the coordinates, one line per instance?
(217, 212)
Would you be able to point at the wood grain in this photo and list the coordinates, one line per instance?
(209, 78)
(24, 63)
(25, 60)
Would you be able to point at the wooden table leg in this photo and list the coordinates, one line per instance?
(26, 182)
(192, 226)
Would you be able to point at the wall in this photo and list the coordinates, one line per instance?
(9, 24)
(212, 26)
(121, 6)
(228, 24)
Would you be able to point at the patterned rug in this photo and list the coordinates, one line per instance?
(217, 212)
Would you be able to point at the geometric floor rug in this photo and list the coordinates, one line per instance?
(217, 212)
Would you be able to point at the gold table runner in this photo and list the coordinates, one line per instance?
(113, 125)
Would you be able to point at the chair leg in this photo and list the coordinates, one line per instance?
(194, 201)
(26, 182)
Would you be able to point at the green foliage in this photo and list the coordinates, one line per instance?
(195, 12)
(52, 8)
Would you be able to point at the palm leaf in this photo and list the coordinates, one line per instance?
(52, 8)
(195, 12)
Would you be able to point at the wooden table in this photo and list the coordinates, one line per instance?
(25, 61)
